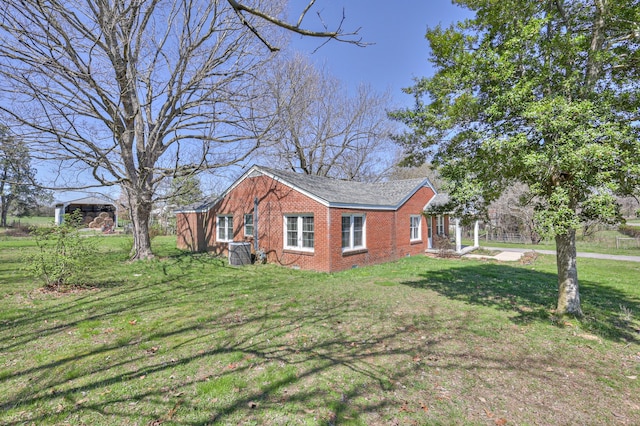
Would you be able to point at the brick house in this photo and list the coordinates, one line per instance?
(313, 222)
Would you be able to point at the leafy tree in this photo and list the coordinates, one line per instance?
(134, 91)
(543, 92)
(19, 192)
(320, 129)
(177, 192)
(184, 190)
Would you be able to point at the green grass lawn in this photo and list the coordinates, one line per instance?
(188, 340)
(31, 220)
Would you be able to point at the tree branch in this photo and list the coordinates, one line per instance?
(335, 35)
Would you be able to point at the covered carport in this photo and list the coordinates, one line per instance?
(90, 208)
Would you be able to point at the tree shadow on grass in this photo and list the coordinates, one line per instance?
(218, 361)
(532, 296)
(258, 352)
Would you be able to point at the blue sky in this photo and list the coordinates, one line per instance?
(397, 28)
(397, 55)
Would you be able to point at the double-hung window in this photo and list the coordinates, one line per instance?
(248, 225)
(353, 232)
(299, 232)
(415, 227)
(440, 225)
(225, 228)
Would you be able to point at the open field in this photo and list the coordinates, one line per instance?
(30, 221)
(601, 242)
(188, 340)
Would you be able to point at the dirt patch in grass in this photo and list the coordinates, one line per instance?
(528, 258)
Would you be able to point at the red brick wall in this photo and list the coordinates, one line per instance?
(190, 231)
(387, 233)
(275, 200)
(413, 206)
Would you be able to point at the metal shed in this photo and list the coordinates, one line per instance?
(90, 207)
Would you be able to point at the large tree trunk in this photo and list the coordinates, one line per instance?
(140, 219)
(4, 208)
(4, 202)
(568, 291)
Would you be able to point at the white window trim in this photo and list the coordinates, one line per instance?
(299, 246)
(411, 228)
(250, 234)
(351, 246)
(226, 217)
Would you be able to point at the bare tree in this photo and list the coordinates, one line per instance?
(135, 91)
(629, 206)
(427, 170)
(514, 212)
(322, 130)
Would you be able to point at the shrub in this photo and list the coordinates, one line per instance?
(443, 244)
(630, 231)
(64, 256)
(156, 230)
(18, 231)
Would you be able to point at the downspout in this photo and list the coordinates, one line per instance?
(330, 250)
(255, 226)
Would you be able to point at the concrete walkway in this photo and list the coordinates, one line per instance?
(503, 256)
(512, 254)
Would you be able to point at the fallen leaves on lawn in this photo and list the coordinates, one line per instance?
(173, 411)
(405, 408)
(499, 421)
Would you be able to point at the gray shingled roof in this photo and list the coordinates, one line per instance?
(339, 192)
(86, 200)
(335, 192)
(439, 204)
(199, 206)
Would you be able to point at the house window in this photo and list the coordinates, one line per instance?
(248, 225)
(415, 228)
(353, 235)
(225, 228)
(299, 232)
(440, 225)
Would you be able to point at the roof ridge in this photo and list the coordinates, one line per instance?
(384, 194)
(312, 176)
